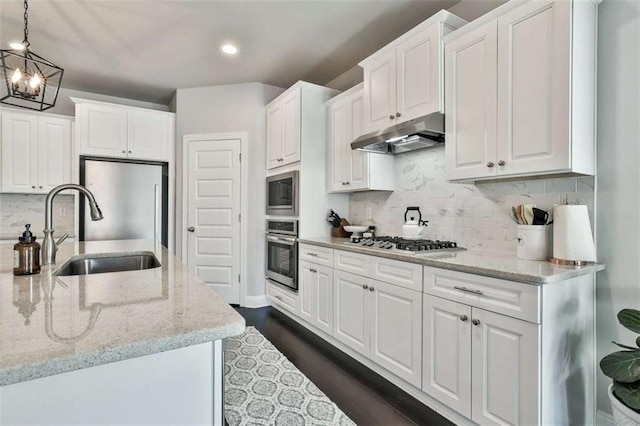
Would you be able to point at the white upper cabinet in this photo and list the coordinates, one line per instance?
(514, 104)
(118, 131)
(291, 118)
(403, 80)
(352, 170)
(36, 152)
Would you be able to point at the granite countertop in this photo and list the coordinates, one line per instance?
(51, 325)
(474, 262)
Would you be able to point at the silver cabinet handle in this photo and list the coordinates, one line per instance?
(475, 322)
(468, 290)
(313, 270)
(501, 163)
(191, 229)
(371, 288)
(312, 254)
(364, 286)
(490, 164)
(463, 318)
(391, 117)
(278, 297)
(398, 114)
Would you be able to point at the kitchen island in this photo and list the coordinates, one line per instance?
(134, 347)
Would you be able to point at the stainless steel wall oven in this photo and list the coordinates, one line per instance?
(282, 252)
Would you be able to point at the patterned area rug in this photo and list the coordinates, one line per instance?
(262, 387)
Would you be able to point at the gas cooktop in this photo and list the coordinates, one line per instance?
(408, 246)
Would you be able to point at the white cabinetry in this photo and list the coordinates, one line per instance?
(352, 170)
(316, 295)
(403, 80)
(36, 152)
(117, 131)
(291, 118)
(520, 94)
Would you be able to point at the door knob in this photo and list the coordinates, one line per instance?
(191, 229)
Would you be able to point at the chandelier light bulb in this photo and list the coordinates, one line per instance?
(35, 81)
(229, 49)
(17, 45)
(17, 76)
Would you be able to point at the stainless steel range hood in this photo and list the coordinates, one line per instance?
(418, 133)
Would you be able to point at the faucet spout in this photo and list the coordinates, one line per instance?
(49, 246)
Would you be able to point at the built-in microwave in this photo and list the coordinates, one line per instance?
(282, 194)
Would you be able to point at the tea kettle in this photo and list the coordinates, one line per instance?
(412, 228)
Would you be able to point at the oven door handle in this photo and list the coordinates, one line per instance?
(290, 241)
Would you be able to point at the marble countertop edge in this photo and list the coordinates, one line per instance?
(52, 367)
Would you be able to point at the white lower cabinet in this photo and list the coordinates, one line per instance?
(481, 364)
(381, 321)
(316, 295)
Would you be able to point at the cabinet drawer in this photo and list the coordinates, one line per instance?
(316, 254)
(517, 300)
(283, 298)
(404, 274)
(355, 263)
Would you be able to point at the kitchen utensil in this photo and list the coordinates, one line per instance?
(413, 227)
(513, 216)
(540, 216)
(527, 213)
(519, 215)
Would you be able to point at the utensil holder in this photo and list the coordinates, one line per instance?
(534, 242)
(339, 232)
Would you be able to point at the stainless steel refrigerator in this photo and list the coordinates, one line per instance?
(133, 197)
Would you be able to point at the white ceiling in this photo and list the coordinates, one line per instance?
(146, 49)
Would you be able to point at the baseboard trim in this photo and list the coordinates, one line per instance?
(604, 419)
(256, 301)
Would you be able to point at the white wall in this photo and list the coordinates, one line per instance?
(618, 197)
(222, 109)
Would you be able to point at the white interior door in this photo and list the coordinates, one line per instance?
(213, 218)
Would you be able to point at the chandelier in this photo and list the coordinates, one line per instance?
(31, 81)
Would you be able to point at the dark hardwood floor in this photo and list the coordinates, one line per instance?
(366, 397)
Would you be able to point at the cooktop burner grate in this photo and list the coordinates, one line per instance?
(404, 244)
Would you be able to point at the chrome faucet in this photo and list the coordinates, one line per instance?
(49, 246)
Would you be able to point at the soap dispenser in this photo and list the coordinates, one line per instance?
(26, 254)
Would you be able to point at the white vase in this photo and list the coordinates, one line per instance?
(622, 415)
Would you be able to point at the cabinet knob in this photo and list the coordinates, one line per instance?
(129, 151)
(343, 183)
(398, 114)
(313, 270)
(191, 229)
(391, 117)
(124, 152)
(347, 183)
(33, 186)
(463, 318)
(371, 288)
(475, 322)
(501, 163)
(278, 297)
(365, 286)
(490, 164)
(40, 187)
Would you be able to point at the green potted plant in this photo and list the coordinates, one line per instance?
(624, 368)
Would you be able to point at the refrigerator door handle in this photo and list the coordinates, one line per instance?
(156, 219)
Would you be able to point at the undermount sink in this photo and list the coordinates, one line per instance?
(107, 262)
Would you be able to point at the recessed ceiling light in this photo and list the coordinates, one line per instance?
(16, 45)
(229, 49)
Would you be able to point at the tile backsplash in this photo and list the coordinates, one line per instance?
(474, 215)
(16, 210)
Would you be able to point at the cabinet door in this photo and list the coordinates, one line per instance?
(446, 353)
(291, 115)
(275, 135)
(380, 92)
(337, 131)
(504, 370)
(357, 162)
(418, 68)
(396, 334)
(470, 116)
(306, 289)
(54, 152)
(323, 299)
(149, 135)
(351, 310)
(19, 152)
(102, 130)
(534, 88)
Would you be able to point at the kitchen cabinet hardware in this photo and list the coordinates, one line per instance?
(315, 271)
(371, 288)
(398, 114)
(364, 286)
(468, 290)
(312, 254)
(490, 164)
(463, 318)
(278, 297)
(475, 322)
(391, 117)
(39, 186)
(129, 151)
(501, 163)
(33, 186)
(191, 229)
(124, 152)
